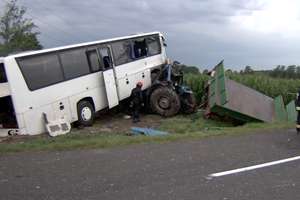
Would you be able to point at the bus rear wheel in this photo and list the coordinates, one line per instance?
(86, 113)
(165, 102)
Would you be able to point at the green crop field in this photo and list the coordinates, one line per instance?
(265, 84)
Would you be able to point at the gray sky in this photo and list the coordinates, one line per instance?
(259, 33)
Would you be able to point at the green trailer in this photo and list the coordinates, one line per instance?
(231, 99)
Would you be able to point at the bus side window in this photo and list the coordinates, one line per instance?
(3, 78)
(122, 52)
(140, 48)
(105, 58)
(93, 60)
(41, 70)
(154, 46)
(74, 63)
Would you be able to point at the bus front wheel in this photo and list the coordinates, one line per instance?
(86, 113)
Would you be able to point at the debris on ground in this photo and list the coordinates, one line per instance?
(147, 131)
(57, 127)
(227, 98)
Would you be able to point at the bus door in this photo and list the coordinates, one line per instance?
(109, 76)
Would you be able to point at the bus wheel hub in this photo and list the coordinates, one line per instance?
(86, 113)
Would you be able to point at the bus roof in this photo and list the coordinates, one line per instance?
(1, 59)
(79, 45)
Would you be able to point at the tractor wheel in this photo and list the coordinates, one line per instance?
(165, 102)
(189, 104)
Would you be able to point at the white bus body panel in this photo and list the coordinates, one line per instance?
(140, 70)
(111, 88)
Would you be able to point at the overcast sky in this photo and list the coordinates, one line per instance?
(259, 33)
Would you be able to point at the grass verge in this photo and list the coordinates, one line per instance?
(180, 127)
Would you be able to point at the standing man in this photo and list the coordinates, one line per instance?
(136, 101)
(298, 111)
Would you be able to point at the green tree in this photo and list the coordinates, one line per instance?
(190, 69)
(206, 71)
(17, 33)
(275, 72)
(291, 71)
(282, 71)
(228, 72)
(298, 71)
(248, 70)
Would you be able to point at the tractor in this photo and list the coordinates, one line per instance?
(168, 95)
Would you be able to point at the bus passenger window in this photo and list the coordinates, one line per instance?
(41, 70)
(3, 78)
(74, 63)
(154, 46)
(140, 48)
(93, 60)
(122, 52)
(104, 53)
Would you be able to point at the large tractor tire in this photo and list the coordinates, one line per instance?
(165, 102)
(189, 103)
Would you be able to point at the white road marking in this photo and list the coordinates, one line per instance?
(234, 171)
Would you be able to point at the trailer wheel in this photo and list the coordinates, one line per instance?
(189, 104)
(86, 113)
(165, 101)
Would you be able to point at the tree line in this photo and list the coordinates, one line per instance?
(280, 71)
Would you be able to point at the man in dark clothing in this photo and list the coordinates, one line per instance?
(136, 102)
(298, 111)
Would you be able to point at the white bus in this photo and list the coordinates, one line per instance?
(75, 81)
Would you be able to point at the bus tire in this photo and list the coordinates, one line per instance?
(165, 101)
(86, 113)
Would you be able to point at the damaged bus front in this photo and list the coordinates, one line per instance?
(8, 122)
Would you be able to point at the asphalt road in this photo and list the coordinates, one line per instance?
(159, 171)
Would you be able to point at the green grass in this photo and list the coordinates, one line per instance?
(180, 127)
(194, 123)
